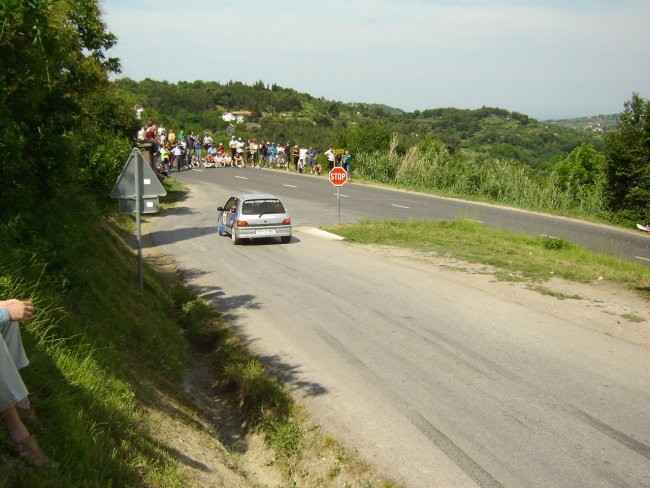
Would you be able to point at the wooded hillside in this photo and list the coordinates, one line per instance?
(281, 114)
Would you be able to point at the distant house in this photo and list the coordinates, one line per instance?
(238, 117)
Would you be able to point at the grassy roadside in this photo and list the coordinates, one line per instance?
(516, 257)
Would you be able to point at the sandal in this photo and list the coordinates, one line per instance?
(30, 451)
(27, 414)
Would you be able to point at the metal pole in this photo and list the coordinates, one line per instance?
(338, 196)
(138, 210)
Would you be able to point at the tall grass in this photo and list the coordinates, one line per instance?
(430, 167)
(94, 341)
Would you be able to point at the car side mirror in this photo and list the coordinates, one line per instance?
(219, 209)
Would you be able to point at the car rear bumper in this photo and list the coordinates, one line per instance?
(263, 232)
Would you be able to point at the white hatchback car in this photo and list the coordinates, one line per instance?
(254, 216)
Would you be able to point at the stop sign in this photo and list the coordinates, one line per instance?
(338, 176)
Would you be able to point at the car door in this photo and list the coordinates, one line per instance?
(232, 209)
(228, 215)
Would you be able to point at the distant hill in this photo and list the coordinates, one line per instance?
(598, 124)
(282, 114)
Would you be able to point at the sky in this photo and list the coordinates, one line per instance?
(547, 59)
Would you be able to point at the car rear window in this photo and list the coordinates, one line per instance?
(262, 206)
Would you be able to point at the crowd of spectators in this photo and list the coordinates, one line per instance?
(177, 152)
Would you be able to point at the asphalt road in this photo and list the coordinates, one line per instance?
(436, 382)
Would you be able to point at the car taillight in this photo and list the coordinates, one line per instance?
(286, 222)
(242, 223)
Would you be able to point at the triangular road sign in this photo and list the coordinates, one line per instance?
(137, 167)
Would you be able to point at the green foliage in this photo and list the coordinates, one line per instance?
(369, 139)
(55, 100)
(87, 357)
(580, 174)
(627, 152)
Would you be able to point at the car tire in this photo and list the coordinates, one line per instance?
(285, 239)
(233, 235)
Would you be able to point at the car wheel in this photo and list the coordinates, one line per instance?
(285, 239)
(233, 235)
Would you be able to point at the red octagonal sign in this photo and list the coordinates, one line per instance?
(338, 176)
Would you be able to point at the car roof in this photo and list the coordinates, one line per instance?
(256, 196)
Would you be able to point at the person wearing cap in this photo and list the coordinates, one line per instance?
(331, 158)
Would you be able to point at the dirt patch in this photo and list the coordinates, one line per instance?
(610, 308)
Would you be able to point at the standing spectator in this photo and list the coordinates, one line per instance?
(233, 146)
(239, 147)
(287, 153)
(295, 154)
(15, 405)
(177, 151)
(164, 158)
(197, 147)
(331, 158)
(247, 152)
(311, 157)
(273, 154)
(264, 154)
(190, 142)
(302, 158)
(181, 135)
(254, 147)
(347, 159)
(171, 137)
(161, 135)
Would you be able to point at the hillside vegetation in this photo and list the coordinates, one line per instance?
(281, 114)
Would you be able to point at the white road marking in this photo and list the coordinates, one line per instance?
(550, 237)
(477, 221)
(642, 259)
(241, 177)
(315, 231)
(342, 195)
(398, 206)
(290, 186)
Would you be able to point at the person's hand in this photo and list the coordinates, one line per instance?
(19, 310)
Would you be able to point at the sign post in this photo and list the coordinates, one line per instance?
(338, 178)
(138, 187)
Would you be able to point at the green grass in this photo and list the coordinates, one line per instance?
(95, 351)
(515, 256)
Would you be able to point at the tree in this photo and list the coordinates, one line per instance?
(54, 59)
(627, 170)
(581, 171)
